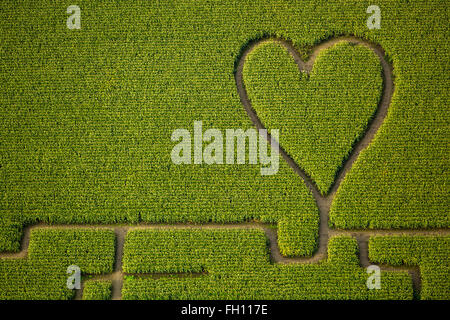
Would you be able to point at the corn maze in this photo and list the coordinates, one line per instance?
(351, 115)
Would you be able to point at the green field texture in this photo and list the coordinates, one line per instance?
(234, 264)
(97, 290)
(43, 273)
(218, 264)
(430, 253)
(87, 115)
(320, 115)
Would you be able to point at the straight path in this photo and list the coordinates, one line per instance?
(323, 201)
(120, 231)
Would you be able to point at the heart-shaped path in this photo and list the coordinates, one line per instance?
(323, 201)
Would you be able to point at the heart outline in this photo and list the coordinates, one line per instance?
(323, 201)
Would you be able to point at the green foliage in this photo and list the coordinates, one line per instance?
(10, 234)
(86, 118)
(297, 235)
(234, 264)
(86, 138)
(343, 250)
(402, 179)
(430, 253)
(321, 114)
(43, 274)
(97, 290)
(192, 250)
(90, 249)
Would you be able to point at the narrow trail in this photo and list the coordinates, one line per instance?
(323, 201)
(116, 277)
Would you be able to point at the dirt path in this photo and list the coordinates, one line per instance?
(323, 201)
(116, 277)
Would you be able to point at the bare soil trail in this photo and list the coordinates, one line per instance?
(116, 277)
(323, 201)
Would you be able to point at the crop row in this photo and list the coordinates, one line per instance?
(234, 264)
(97, 290)
(430, 253)
(219, 264)
(320, 114)
(43, 274)
(86, 138)
(10, 234)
